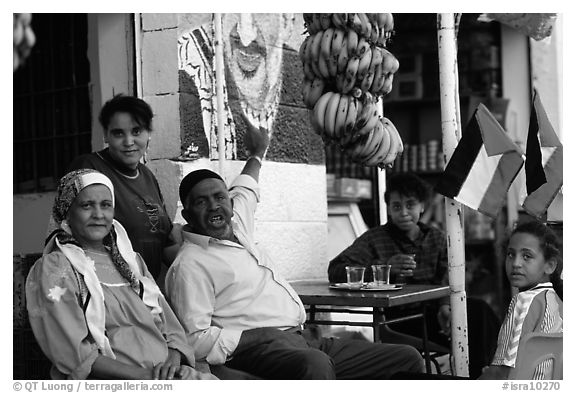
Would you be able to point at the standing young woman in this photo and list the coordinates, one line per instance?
(127, 124)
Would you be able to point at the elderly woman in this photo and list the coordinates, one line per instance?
(93, 306)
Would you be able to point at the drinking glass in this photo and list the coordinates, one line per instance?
(381, 274)
(355, 275)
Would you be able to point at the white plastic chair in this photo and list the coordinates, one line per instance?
(533, 350)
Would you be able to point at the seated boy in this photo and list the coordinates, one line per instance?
(417, 253)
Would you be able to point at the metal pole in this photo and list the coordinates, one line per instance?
(381, 180)
(138, 53)
(221, 111)
(451, 134)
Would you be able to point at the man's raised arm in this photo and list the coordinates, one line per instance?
(256, 142)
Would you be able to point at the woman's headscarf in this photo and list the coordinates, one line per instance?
(70, 186)
(118, 243)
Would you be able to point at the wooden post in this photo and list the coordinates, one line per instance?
(451, 134)
(221, 111)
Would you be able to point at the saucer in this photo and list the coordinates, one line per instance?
(366, 287)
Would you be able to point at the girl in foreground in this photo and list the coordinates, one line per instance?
(533, 265)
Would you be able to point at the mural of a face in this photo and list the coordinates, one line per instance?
(253, 54)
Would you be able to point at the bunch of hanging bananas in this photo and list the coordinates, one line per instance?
(355, 125)
(347, 68)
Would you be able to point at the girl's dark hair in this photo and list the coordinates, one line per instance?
(550, 244)
(138, 108)
(408, 185)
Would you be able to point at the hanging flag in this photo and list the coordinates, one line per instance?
(483, 165)
(544, 155)
(536, 26)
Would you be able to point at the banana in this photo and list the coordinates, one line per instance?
(362, 47)
(344, 84)
(320, 110)
(326, 43)
(315, 91)
(325, 20)
(370, 122)
(378, 81)
(387, 61)
(377, 58)
(339, 21)
(308, 50)
(302, 51)
(350, 120)
(352, 67)
(389, 23)
(369, 146)
(337, 42)
(366, 83)
(332, 66)
(342, 58)
(323, 67)
(348, 85)
(382, 37)
(400, 143)
(366, 26)
(395, 66)
(308, 71)
(352, 42)
(356, 147)
(375, 33)
(381, 19)
(380, 153)
(364, 63)
(342, 111)
(379, 144)
(356, 23)
(367, 117)
(330, 115)
(315, 69)
(315, 47)
(387, 85)
(394, 143)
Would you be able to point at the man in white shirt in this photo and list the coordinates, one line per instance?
(235, 308)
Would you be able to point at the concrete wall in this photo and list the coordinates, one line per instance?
(546, 64)
(292, 216)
